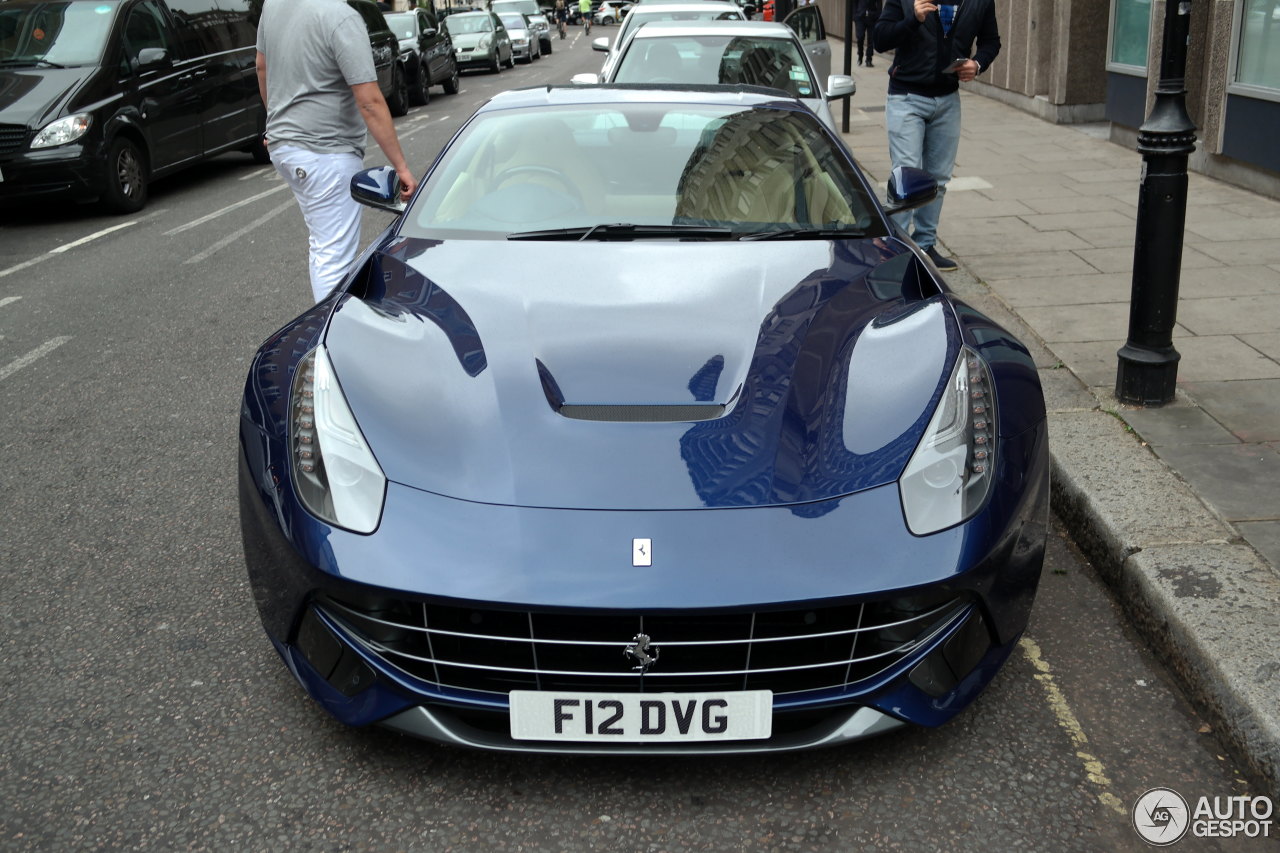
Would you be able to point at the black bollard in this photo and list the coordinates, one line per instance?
(1148, 370)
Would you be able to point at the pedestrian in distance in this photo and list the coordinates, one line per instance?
(317, 79)
(865, 13)
(936, 47)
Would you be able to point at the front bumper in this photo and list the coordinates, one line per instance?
(508, 558)
(467, 58)
(76, 171)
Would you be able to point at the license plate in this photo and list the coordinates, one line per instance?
(641, 717)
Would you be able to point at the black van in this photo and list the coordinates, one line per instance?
(98, 97)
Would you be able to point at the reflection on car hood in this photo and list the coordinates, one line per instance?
(33, 96)
(642, 375)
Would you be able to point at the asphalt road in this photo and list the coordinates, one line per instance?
(143, 708)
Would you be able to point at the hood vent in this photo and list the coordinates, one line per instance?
(661, 413)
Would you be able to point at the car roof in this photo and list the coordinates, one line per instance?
(638, 93)
(684, 6)
(762, 29)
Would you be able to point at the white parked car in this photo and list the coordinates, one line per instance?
(647, 13)
(610, 12)
(745, 53)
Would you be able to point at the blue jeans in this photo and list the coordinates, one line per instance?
(924, 133)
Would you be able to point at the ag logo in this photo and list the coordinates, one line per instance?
(1161, 817)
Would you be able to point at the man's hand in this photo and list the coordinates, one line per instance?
(407, 183)
(923, 8)
(968, 70)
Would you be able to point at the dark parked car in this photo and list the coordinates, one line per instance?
(386, 56)
(100, 97)
(426, 54)
(698, 455)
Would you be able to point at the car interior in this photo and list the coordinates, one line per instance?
(758, 169)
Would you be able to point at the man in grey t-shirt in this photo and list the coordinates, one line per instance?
(316, 76)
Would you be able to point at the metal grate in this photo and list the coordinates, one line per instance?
(786, 651)
(13, 137)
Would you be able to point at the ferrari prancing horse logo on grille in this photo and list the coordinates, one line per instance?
(642, 653)
(642, 552)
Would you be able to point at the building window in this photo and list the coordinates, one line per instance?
(1258, 56)
(1130, 32)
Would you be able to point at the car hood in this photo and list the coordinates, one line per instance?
(34, 96)
(642, 375)
(468, 40)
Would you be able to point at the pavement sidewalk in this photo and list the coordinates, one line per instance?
(1177, 506)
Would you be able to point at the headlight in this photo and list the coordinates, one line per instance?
(484, 42)
(950, 473)
(334, 471)
(62, 131)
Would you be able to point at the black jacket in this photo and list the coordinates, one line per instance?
(922, 52)
(864, 8)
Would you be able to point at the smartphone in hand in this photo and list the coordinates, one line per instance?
(954, 67)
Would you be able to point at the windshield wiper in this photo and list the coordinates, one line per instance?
(805, 232)
(627, 231)
(30, 61)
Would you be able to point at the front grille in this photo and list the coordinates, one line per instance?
(13, 138)
(786, 651)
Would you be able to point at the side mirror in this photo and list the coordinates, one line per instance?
(909, 188)
(429, 32)
(840, 86)
(600, 44)
(585, 79)
(378, 188)
(151, 57)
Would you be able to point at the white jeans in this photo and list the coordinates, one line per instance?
(322, 185)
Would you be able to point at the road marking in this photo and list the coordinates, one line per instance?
(94, 236)
(231, 238)
(1093, 768)
(9, 300)
(443, 118)
(257, 173)
(23, 265)
(195, 223)
(35, 355)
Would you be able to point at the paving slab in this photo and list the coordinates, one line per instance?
(1249, 408)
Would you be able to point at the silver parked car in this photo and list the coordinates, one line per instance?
(525, 44)
(750, 53)
(479, 38)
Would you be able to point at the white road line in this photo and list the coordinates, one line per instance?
(202, 220)
(258, 173)
(22, 266)
(231, 238)
(9, 300)
(94, 236)
(35, 355)
(443, 118)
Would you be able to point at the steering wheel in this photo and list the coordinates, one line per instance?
(542, 171)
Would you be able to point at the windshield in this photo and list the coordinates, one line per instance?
(749, 171)
(746, 60)
(528, 7)
(512, 22)
(402, 25)
(644, 15)
(458, 25)
(67, 33)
